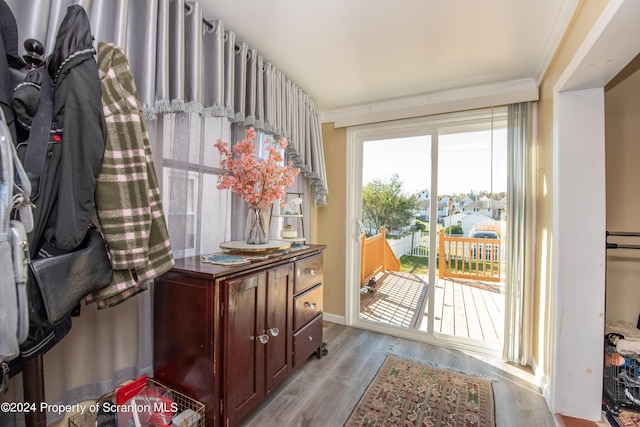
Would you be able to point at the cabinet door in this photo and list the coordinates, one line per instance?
(278, 325)
(244, 346)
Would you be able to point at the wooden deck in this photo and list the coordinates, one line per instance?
(464, 308)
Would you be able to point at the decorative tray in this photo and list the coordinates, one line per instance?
(224, 259)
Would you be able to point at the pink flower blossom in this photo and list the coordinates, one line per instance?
(258, 182)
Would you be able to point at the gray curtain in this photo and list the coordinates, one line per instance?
(229, 73)
(517, 328)
(109, 20)
(193, 27)
(196, 83)
(241, 50)
(213, 90)
(176, 54)
(160, 98)
(144, 65)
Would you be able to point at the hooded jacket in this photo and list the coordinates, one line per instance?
(65, 199)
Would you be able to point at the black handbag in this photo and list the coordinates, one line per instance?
(64, 280)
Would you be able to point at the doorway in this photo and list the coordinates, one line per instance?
(452, 172)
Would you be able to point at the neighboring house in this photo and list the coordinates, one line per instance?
(423, 200)
(468, 221)
(474, 221)
(455, 219)
(491, 208)
(482, 205)
(447, 205)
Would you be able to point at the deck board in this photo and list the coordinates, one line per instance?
(485, 321)
(397, 300)
(446, 322)
(460, 326)
(472, 312)
(464, 308)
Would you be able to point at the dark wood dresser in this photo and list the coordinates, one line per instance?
(228, 335)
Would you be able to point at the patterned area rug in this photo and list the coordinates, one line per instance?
(626, 418)
(408, 393)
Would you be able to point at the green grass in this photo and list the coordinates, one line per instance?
(420, 265)
(414, 264)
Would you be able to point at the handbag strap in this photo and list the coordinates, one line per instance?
(39, 134)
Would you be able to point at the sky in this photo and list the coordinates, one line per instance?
(464, 162)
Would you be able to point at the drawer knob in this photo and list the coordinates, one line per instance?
(264, 338)
(311, 271)
(274, 332)
(310, 338)
(310, 305)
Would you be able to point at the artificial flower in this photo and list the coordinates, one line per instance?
(259, 182)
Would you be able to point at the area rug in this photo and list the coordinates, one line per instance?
(627, 418)
(409, 393)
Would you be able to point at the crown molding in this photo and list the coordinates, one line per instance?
(434, 103)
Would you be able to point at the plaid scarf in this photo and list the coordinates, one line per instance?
(128, 200)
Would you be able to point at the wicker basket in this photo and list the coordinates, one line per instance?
(184, 402)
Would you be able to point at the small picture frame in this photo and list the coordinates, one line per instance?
(292, 207)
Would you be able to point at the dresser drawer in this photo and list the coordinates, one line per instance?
(307, 341)
(306, 306)
(308, 273)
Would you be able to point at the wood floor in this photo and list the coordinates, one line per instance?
(324, 392)
(463, 308)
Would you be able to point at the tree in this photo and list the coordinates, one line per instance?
(384, 204)
(453, 229)
(420, 226)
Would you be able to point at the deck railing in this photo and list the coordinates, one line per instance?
(458, 257)
(467, 257)
(376, 256)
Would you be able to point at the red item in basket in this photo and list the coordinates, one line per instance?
(126, 392)
(158, 405)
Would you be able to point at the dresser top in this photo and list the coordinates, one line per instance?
(197, 266)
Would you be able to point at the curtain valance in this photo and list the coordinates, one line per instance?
(184, 62)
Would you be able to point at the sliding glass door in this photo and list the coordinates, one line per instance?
(431, 228)
(395, 210)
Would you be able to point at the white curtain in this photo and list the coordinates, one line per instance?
(197, 212)
(519, 244)
(171, 46)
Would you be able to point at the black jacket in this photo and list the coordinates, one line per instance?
(65, 198)
(11, 65)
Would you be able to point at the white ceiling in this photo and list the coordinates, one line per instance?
(347, 53)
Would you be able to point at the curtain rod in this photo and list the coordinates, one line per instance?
(189, 7)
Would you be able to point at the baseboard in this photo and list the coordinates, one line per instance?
(558, 421)
(334, 318)
(542, 381)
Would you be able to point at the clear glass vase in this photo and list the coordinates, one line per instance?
(257, 231)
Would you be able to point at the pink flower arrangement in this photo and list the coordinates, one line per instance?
(259, 182)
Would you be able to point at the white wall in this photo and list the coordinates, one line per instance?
(579, 252)
(578, 246)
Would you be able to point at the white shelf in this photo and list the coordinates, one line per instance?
(294, 239)
(299, 217)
